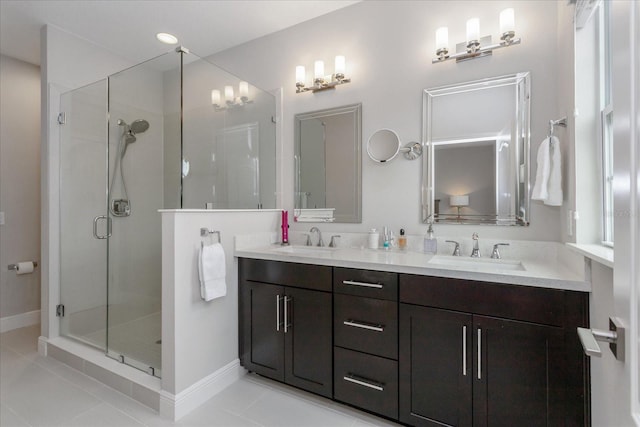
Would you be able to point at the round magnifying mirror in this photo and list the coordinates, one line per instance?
(383, 145)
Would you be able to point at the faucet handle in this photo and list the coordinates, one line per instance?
(308, 242)
(496, 254)
(333, 243)
(456, 249)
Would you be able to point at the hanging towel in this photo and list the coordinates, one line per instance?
(540, 189)
(554, 186)
(211, 263)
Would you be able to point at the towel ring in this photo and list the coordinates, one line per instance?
(553, 123)
(205, 232)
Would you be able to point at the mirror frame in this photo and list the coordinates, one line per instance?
(356, 110)
(520, 127)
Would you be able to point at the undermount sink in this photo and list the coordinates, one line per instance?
(305, 250)
(485, 264)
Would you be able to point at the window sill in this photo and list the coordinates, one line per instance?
(598, 253)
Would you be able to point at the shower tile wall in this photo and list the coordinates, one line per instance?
(134, 247)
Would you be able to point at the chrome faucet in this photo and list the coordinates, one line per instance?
(320, 242)
(496, 254)
(456, 249)
(475, 253)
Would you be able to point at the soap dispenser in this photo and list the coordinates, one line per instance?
(430, 242)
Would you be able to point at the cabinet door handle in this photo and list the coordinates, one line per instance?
(278, 312)
(464, 351)
(479, 353)
(286, 316)
(364, 284)
(361, 381)
(369, 326)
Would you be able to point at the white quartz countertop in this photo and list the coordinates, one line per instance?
(536, 272)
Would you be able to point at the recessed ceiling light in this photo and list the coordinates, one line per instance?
(167, 38)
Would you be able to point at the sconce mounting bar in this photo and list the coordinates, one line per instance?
(464, 55)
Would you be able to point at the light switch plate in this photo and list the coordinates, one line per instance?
(1, 218)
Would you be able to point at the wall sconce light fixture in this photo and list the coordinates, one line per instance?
(476, 46)
(320, 80)
(230, 100)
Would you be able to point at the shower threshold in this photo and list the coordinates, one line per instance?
(126, 379)
(155, 372)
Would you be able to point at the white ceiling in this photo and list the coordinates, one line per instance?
(128, 27)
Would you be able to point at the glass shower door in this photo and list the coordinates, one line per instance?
(144, 147)
(83, 214)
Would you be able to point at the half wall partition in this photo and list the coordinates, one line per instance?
(144, 139)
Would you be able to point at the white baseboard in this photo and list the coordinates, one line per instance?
(175, 406)
(21, 320)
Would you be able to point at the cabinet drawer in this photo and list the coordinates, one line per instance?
(308, 276)
(526, 303)
(366, 381)
(366, 324)
(364, 283)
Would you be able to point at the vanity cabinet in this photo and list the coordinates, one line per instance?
(427, 351)
(286, 324)
(482, 354)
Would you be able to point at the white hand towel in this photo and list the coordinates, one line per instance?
(554, 186)
(540, 189)
(212, 272)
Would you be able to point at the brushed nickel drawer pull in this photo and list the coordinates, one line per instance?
(360, 381)
(371, 327)
(364, 284)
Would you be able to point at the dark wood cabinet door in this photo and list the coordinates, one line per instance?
(262, 321)
(519, 373)
(436, 349)
(308, 341)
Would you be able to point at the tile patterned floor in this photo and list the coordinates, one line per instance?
(38, 391)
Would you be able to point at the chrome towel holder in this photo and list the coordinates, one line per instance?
(205, 232)
(553, 123)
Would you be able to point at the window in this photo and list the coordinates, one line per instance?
(606, 124)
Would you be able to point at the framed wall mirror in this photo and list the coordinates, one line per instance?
(476, 134)
(328, 165)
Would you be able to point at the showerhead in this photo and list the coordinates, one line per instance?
(139, 126)
(129, 137)
(130, 131)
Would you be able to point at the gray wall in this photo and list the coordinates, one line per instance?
(389, 47)
(19, 184)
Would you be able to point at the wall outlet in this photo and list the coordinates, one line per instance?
(1, 218)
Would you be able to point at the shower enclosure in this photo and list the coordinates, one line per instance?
(155, 136)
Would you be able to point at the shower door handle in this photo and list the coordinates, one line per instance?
(95, 227)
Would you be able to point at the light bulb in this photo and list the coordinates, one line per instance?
(507, 21)
(340, 66)
(300, 74)
(318, 70)
(442, 38)
(228, 94)
(473, 30)
(243, 89)
(215, 97)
